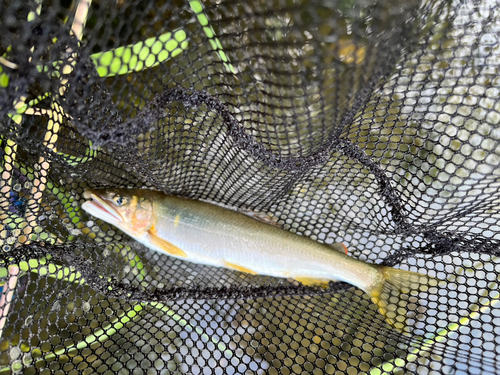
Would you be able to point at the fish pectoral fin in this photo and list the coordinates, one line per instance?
(239, 268)
(165, 245)
(310, 281)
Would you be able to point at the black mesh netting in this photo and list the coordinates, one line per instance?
(375, 124)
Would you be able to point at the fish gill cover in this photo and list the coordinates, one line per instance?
(375, 124)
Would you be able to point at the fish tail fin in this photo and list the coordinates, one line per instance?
(386, 293)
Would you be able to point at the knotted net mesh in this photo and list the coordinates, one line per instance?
(375, 124)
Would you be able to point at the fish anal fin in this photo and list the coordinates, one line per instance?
(310, 281)
(165, 245)
(239, 268)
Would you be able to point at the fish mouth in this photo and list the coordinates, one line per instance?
(101, 209)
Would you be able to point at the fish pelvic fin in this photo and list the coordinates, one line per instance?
(387, 293)
(239, 268)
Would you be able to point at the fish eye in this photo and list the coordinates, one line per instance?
(120, 200)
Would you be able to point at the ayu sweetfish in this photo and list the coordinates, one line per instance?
(205, 233)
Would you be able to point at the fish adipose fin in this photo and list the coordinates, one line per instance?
(165, 245)
(386, 294)
(339, 247)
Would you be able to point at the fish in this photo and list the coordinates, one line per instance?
(209, 234)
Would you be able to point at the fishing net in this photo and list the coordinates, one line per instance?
(374, 124)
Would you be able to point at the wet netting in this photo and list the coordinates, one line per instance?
(374, 124)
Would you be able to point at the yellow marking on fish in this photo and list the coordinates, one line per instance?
(165, 245)
(177, 219)
(239, 268)
(309, 281)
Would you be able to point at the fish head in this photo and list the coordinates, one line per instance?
(129, 210)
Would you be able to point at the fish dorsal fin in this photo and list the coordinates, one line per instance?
(265, 218)
(164, 245)
(338, 247)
